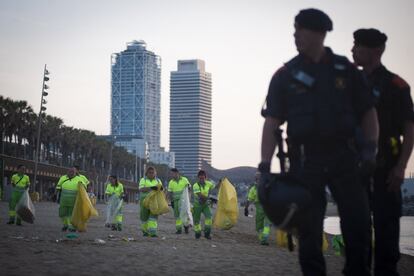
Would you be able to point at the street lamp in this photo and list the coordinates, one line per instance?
(39, 121)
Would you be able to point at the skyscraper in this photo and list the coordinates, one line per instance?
(190, 116)
(136, 97)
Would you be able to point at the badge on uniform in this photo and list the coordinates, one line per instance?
(340, 83)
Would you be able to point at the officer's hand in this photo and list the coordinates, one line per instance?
(368, 158)
(395, 178)
(155, 188)
(246, 211)
(265, 176)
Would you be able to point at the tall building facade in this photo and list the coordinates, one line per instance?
(136, 97)
(190, 116)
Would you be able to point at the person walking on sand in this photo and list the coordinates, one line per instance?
(20, 183)
(396, 120)
(149, 222)
(115, 189)
(323, 98)
(176, 186)
(201, 190)
(67, 188)
(263, 223)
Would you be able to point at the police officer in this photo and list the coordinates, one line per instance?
(396, 119)
(323, 97)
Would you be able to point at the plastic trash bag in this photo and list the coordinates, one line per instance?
(25, 208)
(282, 240)
(113, 208)
(156, 202)
(82, 210)
(185, 209)
(227, 208)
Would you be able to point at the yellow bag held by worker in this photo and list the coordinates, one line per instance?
(156, 202)
(227, 208)
(82, 210)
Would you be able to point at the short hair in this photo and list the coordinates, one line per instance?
(150, 168)
(77, 167)
(201, 173)
(175, 170)
(20, 165)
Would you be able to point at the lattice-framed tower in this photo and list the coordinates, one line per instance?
(136, 94)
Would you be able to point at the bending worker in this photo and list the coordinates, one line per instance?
(150, 182)
(20, 183)
(116, 189)
(262, 222)
(176, 187)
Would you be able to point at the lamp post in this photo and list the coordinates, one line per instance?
(39, 121)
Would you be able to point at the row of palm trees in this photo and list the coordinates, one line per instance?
(60, 144)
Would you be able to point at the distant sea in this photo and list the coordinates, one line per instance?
(331, 226)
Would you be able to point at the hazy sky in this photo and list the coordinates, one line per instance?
(242, 42)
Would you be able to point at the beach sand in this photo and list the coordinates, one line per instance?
(42, 249)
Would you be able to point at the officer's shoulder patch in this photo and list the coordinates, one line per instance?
(399, 82)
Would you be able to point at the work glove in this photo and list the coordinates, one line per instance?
(368, 158)
(246, 211)
(58, 198)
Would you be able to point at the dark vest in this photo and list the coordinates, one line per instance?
(319, 99)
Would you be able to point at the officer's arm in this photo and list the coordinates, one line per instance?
(269, 140)
(396, 177)
(369, 125)
(408, 143)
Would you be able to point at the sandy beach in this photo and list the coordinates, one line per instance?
(42, 248)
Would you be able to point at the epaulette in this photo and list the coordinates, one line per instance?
(399, 82)
(280, 70)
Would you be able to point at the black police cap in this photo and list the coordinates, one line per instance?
(371, 38)
(315, 20)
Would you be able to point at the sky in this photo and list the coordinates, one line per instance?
(242, 43)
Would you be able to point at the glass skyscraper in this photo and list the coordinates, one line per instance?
(190, 116)
(136, 97)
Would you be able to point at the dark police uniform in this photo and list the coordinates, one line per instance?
(322, 104)
(394, 107)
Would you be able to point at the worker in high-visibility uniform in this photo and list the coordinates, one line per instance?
(20, 183)
(201, 190)
(115, 188)
(149, 222)
(263, 224)
(85, 180)
(67, 189)
(176, 187)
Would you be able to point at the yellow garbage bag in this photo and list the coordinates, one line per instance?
(282, 240)
(227, 208)
(156, 202)
(82, 210)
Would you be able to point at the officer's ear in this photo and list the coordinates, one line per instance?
(380, 50)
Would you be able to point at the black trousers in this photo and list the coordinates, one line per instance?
(386, 210)
(337, 168)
